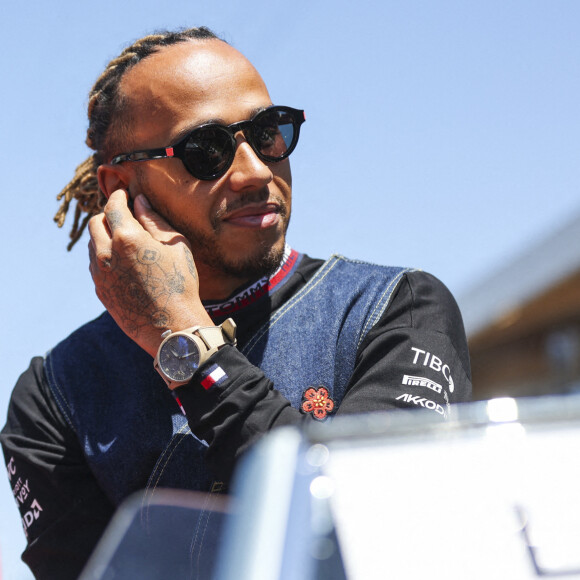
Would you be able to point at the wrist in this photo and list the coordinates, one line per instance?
(181, 353)
(178, 322)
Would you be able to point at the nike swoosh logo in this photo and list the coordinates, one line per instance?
(104, 447)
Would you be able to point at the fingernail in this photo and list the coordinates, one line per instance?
(144, 201)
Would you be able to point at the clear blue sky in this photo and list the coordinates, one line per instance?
(441, 135)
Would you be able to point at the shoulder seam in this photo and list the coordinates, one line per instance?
(382, 304)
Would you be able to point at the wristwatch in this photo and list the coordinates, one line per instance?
(182, 353)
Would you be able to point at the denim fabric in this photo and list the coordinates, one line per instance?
(131, 428)
(125, 417)
(313, 339)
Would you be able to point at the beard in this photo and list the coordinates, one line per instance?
(264, 259)
(265, 255)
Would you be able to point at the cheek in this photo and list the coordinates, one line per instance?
(163, 177)
(283, 177)
(171, 188)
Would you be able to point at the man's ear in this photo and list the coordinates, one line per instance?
(111, 178)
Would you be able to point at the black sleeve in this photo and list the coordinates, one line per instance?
(416, 356)
(63, 510)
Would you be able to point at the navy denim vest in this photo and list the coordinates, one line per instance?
(130, 427)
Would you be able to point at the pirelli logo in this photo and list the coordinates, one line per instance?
(421, 382)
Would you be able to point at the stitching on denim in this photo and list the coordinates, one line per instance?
(54, 386)
(382, 304)
(350, 260)
(194, 538)
(176, 440)
(313, 283)
(205, 513)
(150, 488)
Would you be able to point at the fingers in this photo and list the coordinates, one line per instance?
(121, 219)
(102, 227)
(151, 221)
(116, 233)
(101, 253)
(121, 222)
(117, 211)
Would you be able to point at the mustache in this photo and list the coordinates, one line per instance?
(250, 198)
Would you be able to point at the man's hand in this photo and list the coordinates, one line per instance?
(144, 272)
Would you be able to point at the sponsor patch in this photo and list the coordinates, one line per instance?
(214, 375)
(11, 469)
(411, 381)
(434, 362)
(422, 402)
(30, 508)
(31, 516)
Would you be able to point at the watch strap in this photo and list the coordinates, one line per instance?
(209, 340)
(213, 337)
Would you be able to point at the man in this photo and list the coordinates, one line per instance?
(191, 160)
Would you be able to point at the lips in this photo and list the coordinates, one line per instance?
(255, 216)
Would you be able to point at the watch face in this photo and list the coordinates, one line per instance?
(179, 357)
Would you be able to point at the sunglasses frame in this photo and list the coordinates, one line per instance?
(178, 150)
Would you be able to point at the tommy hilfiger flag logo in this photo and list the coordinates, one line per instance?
(213, 375)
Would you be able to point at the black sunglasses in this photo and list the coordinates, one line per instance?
(209, 150)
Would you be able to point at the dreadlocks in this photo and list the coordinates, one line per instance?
(106, 126)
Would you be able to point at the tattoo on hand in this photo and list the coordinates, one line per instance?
(110, 263)
(190, 262)
(114, 218)
(140, 293)
(147, 256)
(175, 282)
(161, 319)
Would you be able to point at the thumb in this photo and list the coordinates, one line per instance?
(151, 221)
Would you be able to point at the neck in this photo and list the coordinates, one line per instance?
(215, 285)
(251, 291)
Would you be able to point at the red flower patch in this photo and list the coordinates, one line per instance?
(317, 402)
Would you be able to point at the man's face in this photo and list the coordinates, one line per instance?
(237, 223)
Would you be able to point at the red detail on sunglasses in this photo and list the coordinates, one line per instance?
(169, 151)
(317, 402)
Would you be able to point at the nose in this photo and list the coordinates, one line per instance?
(248, 171)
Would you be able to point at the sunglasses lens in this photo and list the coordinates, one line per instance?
(274, 133)
(208, 152)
